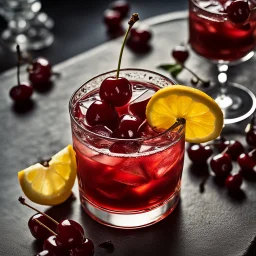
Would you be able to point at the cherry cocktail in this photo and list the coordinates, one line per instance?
(214, 36)
(129, 174)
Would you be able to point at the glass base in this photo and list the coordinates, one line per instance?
(131, 220)
(237, 104)
(32, 39)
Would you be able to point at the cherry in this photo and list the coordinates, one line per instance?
(235, 148)
(198, 153)
(40, 71)
(86, 248)
(238, 11)
(37, 230)
(124, 147)
(112, 19)
(234, 182)
(221, 164)
(180, 53)
(121, 6)
(139, 109)
(100, 112)
(141, 34)
(69, 234)
(219, 143)
(51, 245)
(45, 253)
(246, 161)
(116, 91)
(23, 91)
(250, 132)
(127, 127)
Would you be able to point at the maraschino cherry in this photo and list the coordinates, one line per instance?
(234, 182)
(221, 164)
(127, 127)
(117, 91)
(180, 53)
(238, 11)
(37, 230)
(250, 132)
(69, 235)
(247, 161)
(85, 249)
(101, 113)
(234, 148)
(40, 72)
(198, 153)
(112, 19)
(23, 91)
(51, 246)
(122, 7)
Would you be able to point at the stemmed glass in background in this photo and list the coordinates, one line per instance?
(27, 26)
(214, 37)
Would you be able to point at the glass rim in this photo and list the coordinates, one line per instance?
(221, 14)
(179, 121)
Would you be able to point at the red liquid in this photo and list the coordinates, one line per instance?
(214, 37)
(130, 181)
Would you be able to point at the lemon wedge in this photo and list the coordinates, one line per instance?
(50, 183)
(204, 118)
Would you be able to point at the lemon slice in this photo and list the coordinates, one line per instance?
(51, 183)
(204, 118)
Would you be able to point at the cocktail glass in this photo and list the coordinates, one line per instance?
(136, 188)
(213, 36)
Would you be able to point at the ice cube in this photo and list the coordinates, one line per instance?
(108, 160)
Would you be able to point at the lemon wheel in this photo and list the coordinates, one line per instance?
(204, 118)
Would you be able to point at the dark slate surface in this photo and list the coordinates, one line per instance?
(213, 223)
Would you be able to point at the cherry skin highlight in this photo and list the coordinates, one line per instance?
(100, 112)
(69, 234)
(40, 72)
(246, 162)
(45, 253)
(234, 182)
(116, 91)
(127, 127)
(39, 232)
(22, 92)
(85, 249)
(221, 165)
(198, 153)
(51, 245)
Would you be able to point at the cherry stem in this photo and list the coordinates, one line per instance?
(225, 150)
(133, 19)
(252, 152)
(22, 201)
(18, 63)
(193, 73)
(42, 224)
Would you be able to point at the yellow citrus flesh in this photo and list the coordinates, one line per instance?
(50, 185)
(204, 118)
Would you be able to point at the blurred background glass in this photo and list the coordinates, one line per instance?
(26, 25)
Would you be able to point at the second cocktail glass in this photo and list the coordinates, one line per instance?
(127, 183)
(213, 36)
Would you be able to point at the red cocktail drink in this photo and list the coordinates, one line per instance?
(127, 182)
(214, 36)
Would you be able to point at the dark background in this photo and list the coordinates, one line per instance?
(212, 223)
(79, 26)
